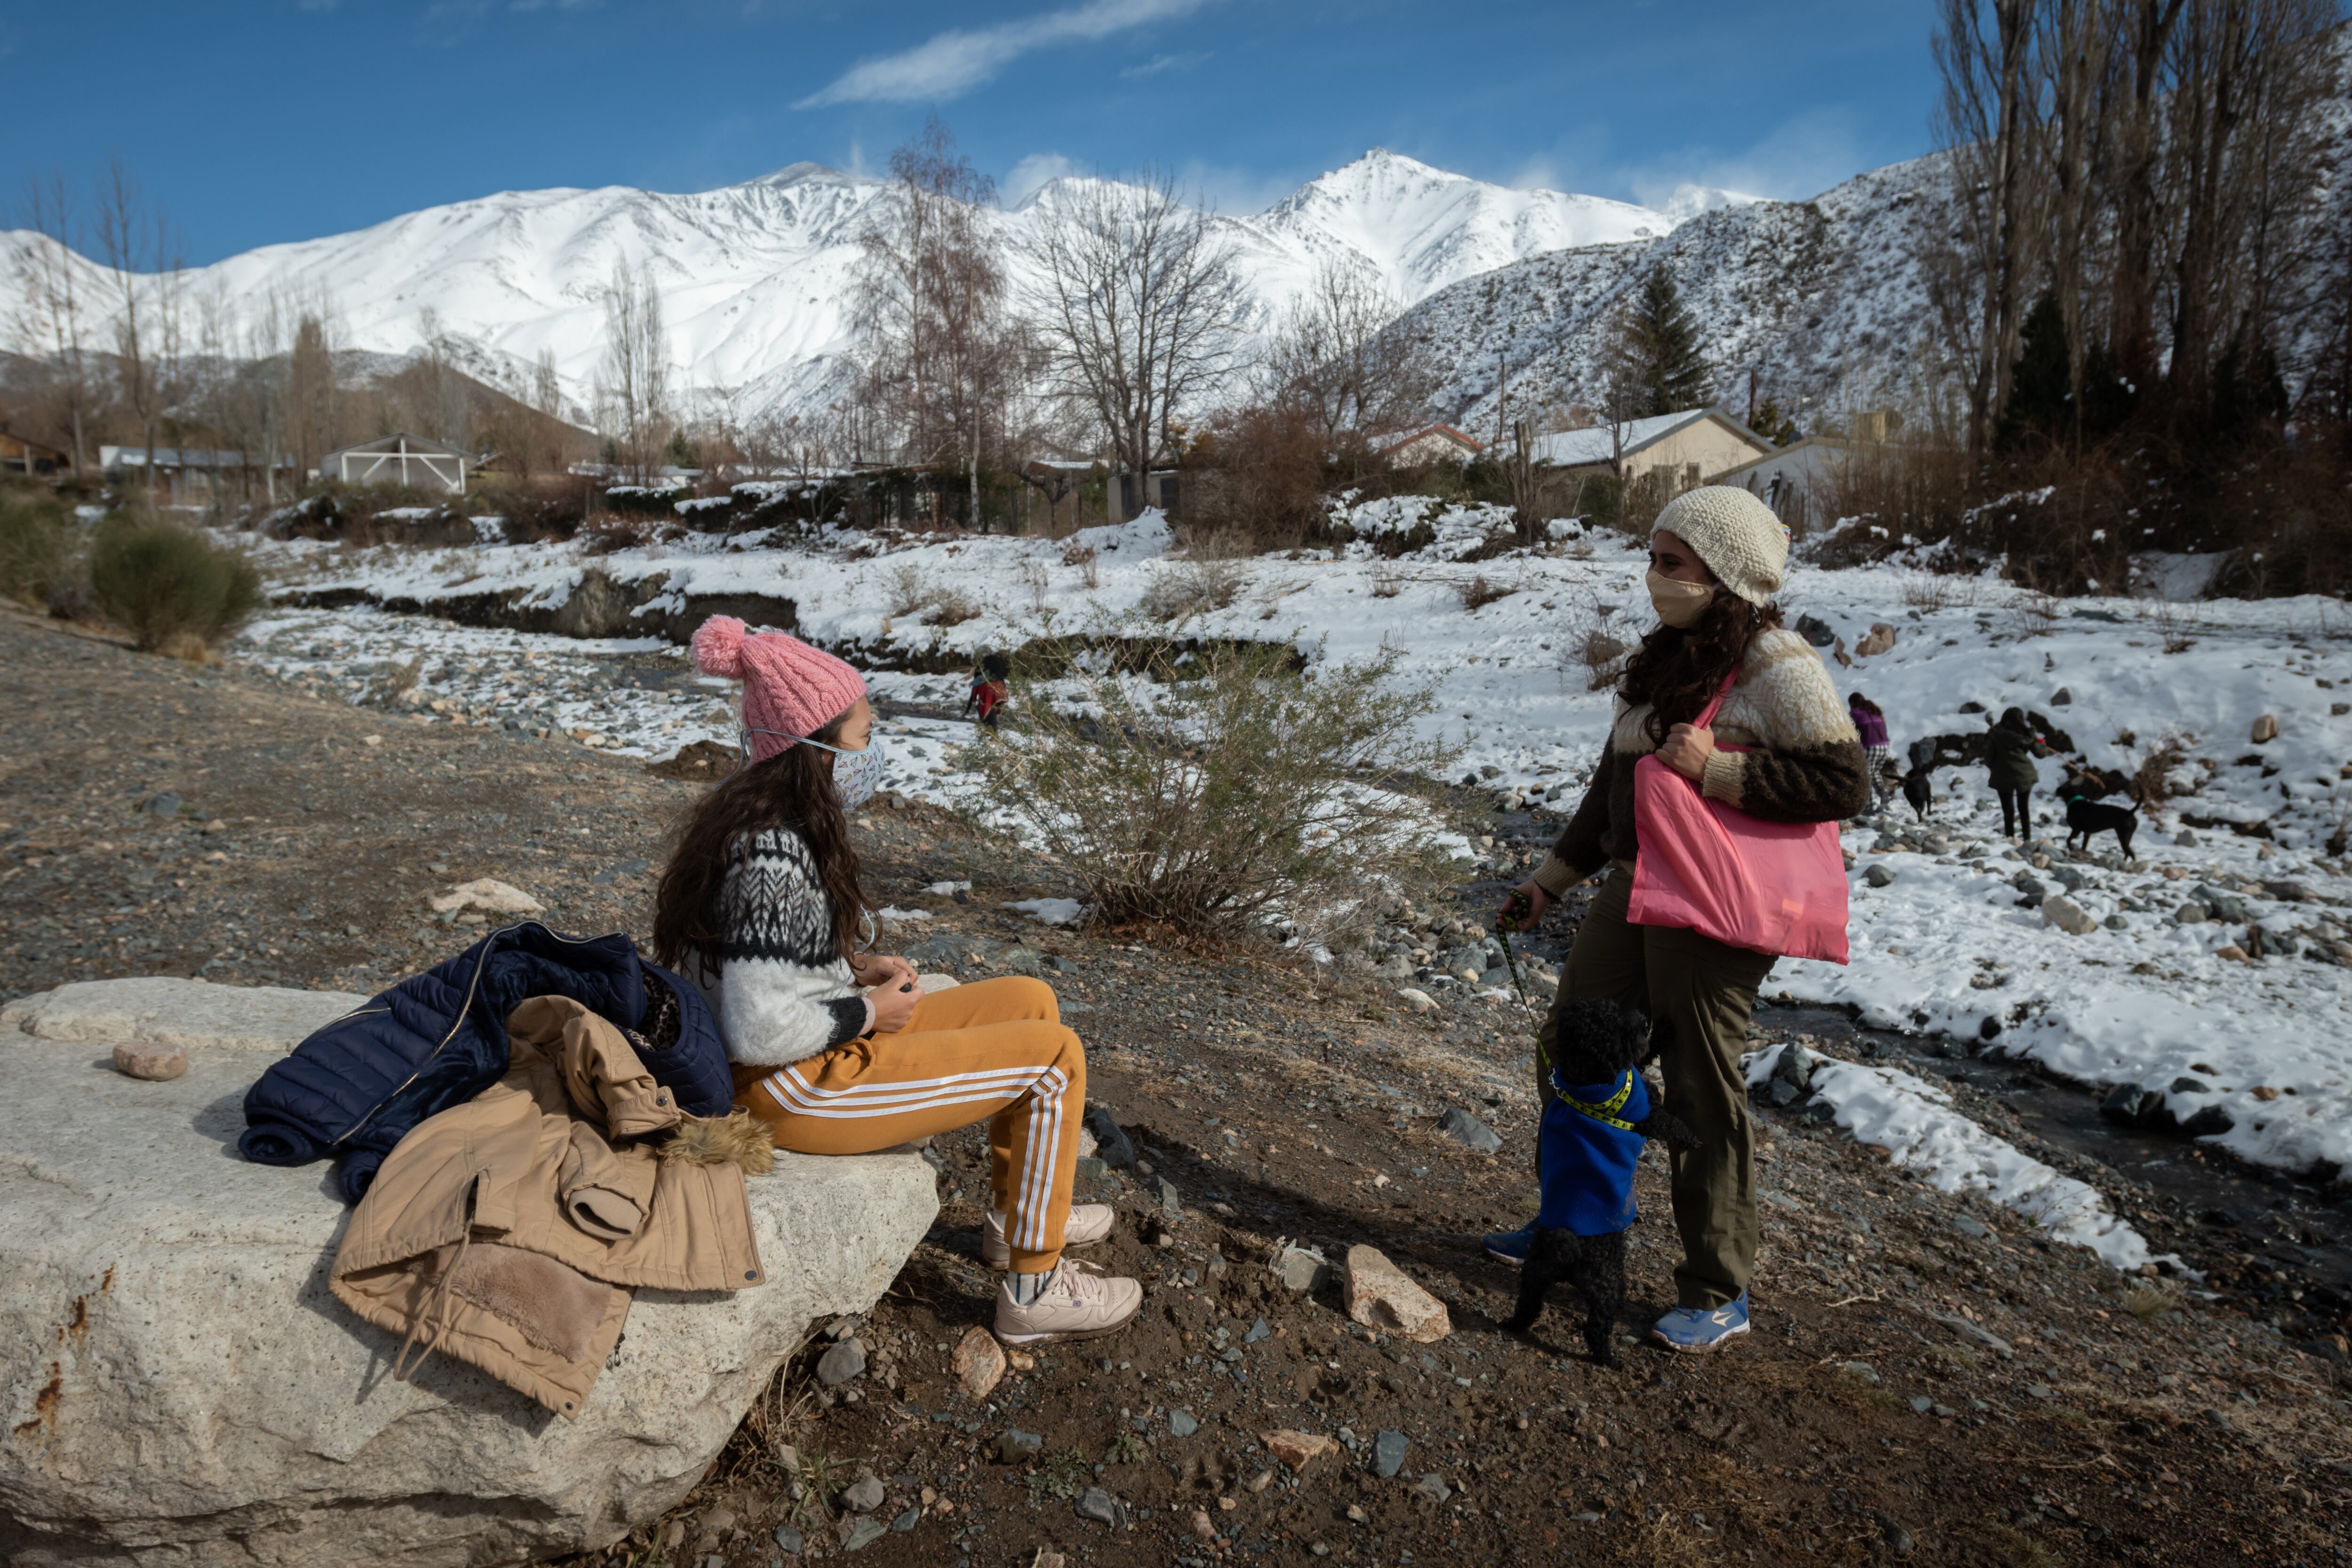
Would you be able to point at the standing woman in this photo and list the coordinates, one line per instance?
(1870, 724)
(836, 1049)
(2009, 752)
(1717, 556)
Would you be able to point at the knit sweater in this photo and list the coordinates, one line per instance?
(1804, 762)
(782, 990)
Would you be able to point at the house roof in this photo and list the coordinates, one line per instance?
(415, 446)
(184, 457)
(1824, 444)
(1581, 448)
(1410, 436)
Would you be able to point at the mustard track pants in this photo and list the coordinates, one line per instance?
(994, 1048)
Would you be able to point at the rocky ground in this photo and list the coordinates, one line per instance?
(1928, 1377)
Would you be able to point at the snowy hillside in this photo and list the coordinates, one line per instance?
(1824, 295)
(756, 278)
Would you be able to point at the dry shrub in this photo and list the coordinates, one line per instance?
(2176, 623)
(1259, 473)
(2153, 777)
(1183, 589)
(2033, 615)
(1240, 793)
(612, 532)
(952, 607)
(1387, 581)
(1478, 593)
(1037, 580)
(910, 591)
(39, 554)
(1928, 592)
(1886, 496)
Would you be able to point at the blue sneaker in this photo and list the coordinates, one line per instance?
(1699, 1329)
(1512, 1246)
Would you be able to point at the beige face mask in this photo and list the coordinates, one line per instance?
(1679, 604)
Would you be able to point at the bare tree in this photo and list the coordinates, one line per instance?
(1136, 310)
(143, 267)
(51, 328)
(633, 384)
(445, 403)
(1344, 355)
(1991, 123)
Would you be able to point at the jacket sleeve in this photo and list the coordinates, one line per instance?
(1576, 854)
(1810, 766)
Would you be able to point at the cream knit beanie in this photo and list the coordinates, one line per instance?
(1737, 535)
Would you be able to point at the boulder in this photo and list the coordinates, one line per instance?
(1877, 640)
(1380, 1296)
(181, 1389)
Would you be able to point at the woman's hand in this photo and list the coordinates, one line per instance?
(1510, 918)
(1686, 750)
(880, 969)
(893, 1004)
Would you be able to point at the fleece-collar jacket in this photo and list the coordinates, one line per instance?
(1798, 759)
(1585, 1151)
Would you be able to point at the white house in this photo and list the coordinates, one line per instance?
(1430, 444)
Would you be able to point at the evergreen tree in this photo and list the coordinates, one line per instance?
(1772, 425)
(1676, 376)
(2041, 391)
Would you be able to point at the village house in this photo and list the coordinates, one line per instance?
(400, 459)
(186, 475)
(1676, 450)
(1429, 444)
(23, 455)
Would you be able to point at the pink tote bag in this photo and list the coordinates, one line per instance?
(1769, 886)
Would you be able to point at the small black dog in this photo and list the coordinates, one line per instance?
(1592, 1136)
(2085, 817)
(1918, 788)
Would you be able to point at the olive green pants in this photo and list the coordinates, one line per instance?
(1707, 991)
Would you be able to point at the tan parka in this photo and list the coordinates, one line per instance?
(510, 1231)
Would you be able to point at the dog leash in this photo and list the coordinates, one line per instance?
(1515, 909)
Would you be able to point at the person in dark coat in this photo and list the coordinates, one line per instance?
(2009, 752)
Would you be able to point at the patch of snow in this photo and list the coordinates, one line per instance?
(1052, 911)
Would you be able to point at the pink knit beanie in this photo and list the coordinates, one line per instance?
(788, 686)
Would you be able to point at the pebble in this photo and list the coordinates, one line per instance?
(908, 1520)
(790, 1539)
(1298, 1450)
(1968, 1224)
(862, 1532)
(842, 1362)
(1433, 1486)
(146, 1059)
(1097, 1504)
(1171, 1203)
(1302, 1267)
(1382, 1296)
(1464, 1128)
(1013, 1443)
(864, 1496)
(1388, 1453)
(1180, 1424)
(1879, 874)
(978, 1363)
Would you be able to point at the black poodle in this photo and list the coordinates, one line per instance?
(1591, 1135)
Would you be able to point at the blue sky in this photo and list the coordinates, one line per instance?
(259, 121)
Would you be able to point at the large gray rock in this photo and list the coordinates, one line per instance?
(181, 1391)
(175, 1013)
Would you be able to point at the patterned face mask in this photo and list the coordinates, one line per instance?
(856, 775)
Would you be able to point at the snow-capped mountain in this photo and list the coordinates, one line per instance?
(756, 278)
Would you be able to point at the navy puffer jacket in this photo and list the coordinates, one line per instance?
(356, 1086)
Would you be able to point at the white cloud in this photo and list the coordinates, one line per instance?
(1159, 63)
(1803, 157)
(954, 62)
(1032, 172)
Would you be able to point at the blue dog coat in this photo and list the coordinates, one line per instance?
(1586, 1152)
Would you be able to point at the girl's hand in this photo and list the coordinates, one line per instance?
(1686, 750)
(1524, 908)
(881, 969)
(893, 1004)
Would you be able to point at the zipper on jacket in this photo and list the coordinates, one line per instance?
(472, 986)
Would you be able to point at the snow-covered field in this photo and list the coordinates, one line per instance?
(1945, 945)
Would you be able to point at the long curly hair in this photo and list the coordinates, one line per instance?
(793, 789)
(1677, 672)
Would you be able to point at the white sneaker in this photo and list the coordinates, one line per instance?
(1079, 1302)
(1087, 1224)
